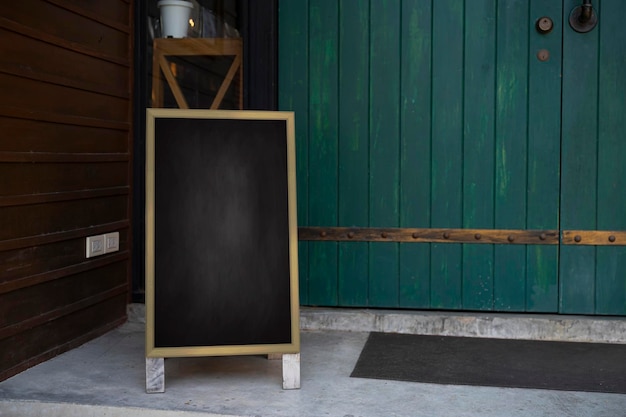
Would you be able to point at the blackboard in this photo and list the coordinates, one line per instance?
(221, 243)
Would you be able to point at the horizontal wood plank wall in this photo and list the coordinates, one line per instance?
(65, 164)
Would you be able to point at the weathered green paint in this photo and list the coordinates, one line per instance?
(384, 113)
(293, 29)
(353, 282)
(447, 149)
(415, 148)
(424, 113)
(544, 124)
(323, 115)
(593, 280)
(478, 151)
(511, 150)
(611, 261)
(579, 165)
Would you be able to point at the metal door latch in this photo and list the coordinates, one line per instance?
(583, 18)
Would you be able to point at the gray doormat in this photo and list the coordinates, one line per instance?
(563, 366)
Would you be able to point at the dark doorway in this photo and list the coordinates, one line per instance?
(252, 20)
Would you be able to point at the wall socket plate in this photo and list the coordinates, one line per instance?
(94, 246)
(101, 244)
(111, 242)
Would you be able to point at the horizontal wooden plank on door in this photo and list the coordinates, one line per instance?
(594, 237)
(431, 235)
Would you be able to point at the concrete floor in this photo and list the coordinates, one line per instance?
(106, 377)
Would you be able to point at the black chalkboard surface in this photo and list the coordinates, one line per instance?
(221, 244)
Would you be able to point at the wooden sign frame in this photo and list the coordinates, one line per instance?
(207, 127)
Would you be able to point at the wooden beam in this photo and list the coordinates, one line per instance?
(421, 235)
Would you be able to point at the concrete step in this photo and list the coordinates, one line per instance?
(553, 327)
(565, 328)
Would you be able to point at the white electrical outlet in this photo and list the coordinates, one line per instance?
(112, 242)
(94, 246)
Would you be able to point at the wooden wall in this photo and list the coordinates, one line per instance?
(65, 173)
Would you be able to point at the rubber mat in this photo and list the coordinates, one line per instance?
(564, 366)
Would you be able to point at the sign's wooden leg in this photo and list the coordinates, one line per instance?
(291, 371)
(155, 375)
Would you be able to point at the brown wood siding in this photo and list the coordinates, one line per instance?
(65, 173)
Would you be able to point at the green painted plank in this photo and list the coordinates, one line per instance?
(447, 149)
(542, 287)
(544, 148)
(511, 151)
(353, 149)
(384, 148)
(478, 150)
(510, 282)
(293, 96)
(353, 285)
(323, 152)
(579, 164)
(611, 261)
(577, 266)
(415, 166)
(610, 296)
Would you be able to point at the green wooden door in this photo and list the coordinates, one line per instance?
(434, 168)
(593, 186)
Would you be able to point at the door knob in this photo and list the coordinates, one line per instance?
(583, 18)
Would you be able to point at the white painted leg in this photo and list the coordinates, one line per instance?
(291, 371)
(155, 375)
